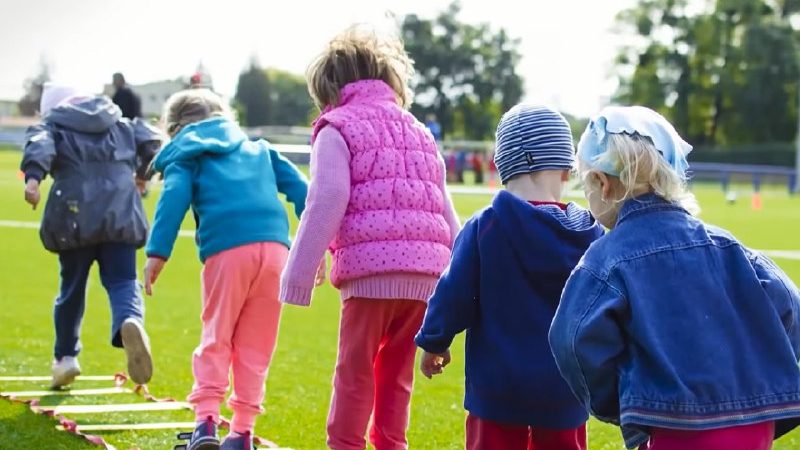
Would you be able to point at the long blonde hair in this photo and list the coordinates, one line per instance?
(190, 106)
(641, 167)
(360, 53)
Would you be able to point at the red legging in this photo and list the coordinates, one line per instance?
(487, 435)
(757, 436)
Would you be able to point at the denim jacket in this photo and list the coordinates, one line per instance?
(671, 323)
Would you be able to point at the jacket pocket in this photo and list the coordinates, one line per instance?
(60, 226)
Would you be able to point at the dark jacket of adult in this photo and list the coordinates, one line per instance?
(92, 153)
(129, 102)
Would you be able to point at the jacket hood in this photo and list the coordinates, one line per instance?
(94, 115)
(545, 230)
(217, 135)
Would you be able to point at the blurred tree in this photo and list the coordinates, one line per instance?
(724, 75)
(253, 96)
(272, 97)
(289, 102)
(465, 74)
(29, 103)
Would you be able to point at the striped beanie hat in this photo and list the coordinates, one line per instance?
(532, 138)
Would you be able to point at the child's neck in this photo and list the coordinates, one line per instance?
(536, 187)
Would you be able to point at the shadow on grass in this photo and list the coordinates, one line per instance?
(21, 428)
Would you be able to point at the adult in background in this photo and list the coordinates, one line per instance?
(124, 97)
(94, 213)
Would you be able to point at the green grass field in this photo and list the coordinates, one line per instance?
(298, 388)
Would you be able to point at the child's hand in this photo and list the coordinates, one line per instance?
(432, 364)
(320, 278)
(32, 195)
(152, 268)
(141, 186)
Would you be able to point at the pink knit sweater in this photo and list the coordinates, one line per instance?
(328, 197)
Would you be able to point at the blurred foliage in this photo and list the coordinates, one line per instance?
(271, 97)
(724, 75)
(465, 73)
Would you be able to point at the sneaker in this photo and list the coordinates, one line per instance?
(240, 442)
(204, 437)
(64, 371)
(137, 350)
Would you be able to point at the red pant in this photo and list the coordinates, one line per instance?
(487, 435)
(757, 436)
(374, 373)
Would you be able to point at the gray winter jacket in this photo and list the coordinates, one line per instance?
(92, 153)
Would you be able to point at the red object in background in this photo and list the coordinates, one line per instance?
(756, 203)
(196, 79)
(477, 161)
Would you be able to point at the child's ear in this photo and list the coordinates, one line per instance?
(605, 185)
(565, 176)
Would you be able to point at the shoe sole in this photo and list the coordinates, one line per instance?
(65, 379)
(137, 350)
(211, 445)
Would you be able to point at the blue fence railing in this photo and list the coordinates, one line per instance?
(727, 173)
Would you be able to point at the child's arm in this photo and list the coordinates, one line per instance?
(784, 295)
(148, 140)
(450, 214)
(40, 150)
(176, 197)
(328, 197)
(291, 181)
(587, 342)
(454, 304)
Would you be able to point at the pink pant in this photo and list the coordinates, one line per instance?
(374, 373)
(487, 435)
(757, 436)
(240, 317)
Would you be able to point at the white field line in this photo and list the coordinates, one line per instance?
(35, 226)
(777, 254)
(70, 393)
(130, 407)
(48, 378)
(135, 426)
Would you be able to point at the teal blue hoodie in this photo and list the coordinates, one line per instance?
(231, 184)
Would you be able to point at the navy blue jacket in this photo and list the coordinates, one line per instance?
(669, 322)
(505, 278)
(92, 153)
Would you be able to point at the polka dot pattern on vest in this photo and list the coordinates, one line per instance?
(394, 222)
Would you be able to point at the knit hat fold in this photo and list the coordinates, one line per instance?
(531, 138)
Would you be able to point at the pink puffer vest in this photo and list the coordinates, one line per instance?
(394, 222)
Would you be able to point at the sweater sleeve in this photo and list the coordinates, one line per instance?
(450, 214)
(176, 197)
(328, 197)
(291, 182)
(40, 150)
(454, 305)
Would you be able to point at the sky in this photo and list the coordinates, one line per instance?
(567, 45)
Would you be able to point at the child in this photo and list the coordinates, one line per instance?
(232, 185)
(509, 265)
(378, 200)
(94, 213)
(669, 327)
